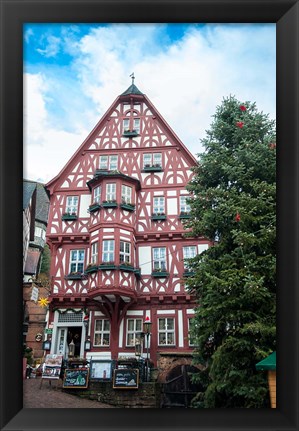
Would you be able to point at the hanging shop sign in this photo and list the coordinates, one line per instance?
(39, 337)
(34, 294)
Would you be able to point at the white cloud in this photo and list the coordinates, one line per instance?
(52, 48)
(185, 80)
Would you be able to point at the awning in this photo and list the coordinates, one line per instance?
(268, 363)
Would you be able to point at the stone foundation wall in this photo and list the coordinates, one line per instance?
(148, 395)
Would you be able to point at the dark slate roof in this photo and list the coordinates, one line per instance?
(28, 190)
(132, 90)
(42, 200)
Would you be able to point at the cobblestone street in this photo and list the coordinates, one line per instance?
(46, 395)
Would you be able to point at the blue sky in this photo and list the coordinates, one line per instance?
(74, 72)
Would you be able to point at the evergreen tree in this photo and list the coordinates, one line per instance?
(233, 205)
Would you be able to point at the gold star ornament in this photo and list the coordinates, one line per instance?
(43, 302)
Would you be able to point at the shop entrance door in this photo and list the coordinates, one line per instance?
(65, 336)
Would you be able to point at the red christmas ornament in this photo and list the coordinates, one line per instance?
(238, 217)
(243, 108)
(240, 124)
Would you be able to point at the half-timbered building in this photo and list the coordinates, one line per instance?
(117, 237)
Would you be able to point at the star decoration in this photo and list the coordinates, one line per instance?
(43, 302)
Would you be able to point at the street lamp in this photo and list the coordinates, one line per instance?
(147, 324)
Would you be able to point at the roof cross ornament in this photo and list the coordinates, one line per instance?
(133, 77)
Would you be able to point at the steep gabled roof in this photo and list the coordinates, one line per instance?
(131, 91)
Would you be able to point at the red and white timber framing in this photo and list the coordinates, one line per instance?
(120, 293)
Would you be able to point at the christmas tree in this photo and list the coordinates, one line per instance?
(233, 204)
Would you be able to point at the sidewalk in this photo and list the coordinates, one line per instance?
(51, 396)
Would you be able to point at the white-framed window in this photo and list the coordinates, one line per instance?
(72, 203)
(159, 205)
(77, 260)
(101, 332)
(94, 252)
(188, 253)
(126, 194)
(134, 328)
(97, 194)
(126, 125)
(184, 207)
(159, 258)
(166, 333)
(109, 163)
(125, 252)
(111, 192)
(152, 159)
(136, 125)
(191, 326)
(108, 250)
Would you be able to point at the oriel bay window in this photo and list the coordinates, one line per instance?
(125, 252)
(94, 253)
(109, 163)
(134, 329)
(101, 333)
(126, 194)
(166, 333)
(108, 251)
(77, 261)
(111, 192)
(97, 195)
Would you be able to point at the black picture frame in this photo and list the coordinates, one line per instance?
(13, 14)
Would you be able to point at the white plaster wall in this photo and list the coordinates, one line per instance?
(145, 258)
(85, 201)
(172, 206)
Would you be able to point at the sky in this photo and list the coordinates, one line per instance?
(74, 72)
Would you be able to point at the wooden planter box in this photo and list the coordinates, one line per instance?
(69, 217)
(130, 134)
(160, 274)
(109, 204)
(128, 207)
(158, 217)
(94, 208)
(91, 269)
(127, 268)
(107, 267)
(152, 169)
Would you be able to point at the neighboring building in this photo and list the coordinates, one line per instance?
(117, 238)
(35, 210)
(38, 229)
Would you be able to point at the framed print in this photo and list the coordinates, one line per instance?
(15, 16)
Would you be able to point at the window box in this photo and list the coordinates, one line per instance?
(107, 266)
(94, 207)
(188, 273)
(184, 215)
(109, 204)
(74, 276)
(153, 168)
(91, 268)
(130, 133)
(126, 267)
(128, 207)
(137, 272)
(160, 274)
(157, 217)
(69, 216)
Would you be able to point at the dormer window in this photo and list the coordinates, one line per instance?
(108, 163)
